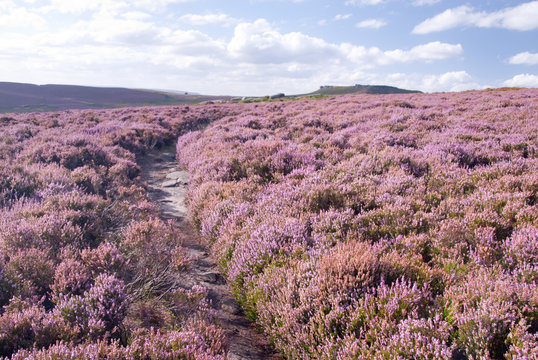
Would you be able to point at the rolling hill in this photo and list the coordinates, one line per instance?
(360, 89)
(19, 97)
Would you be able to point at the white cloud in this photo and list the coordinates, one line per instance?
(363, 2)
(522, 17)
(80, 6)
(446, 20)
(15, 17)
(526, 58)
(110, 30)
(133, 31)
(156, 4)
(111, 6)
(259, 42)
(199, 20)
(424, 2)
(114, 44)
(523, 80)
(372, 57)
(450, 81)
(195, 43)
(135, 15)
(431, 51)
(342, 16)
(371, 23)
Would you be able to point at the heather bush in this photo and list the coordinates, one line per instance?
(149, 240)
(88, 179)
(71, 277)
(15, 183)
(153, 345)
(154, 256)
(397, 226)
(178, 344)
(70, 153)
(484, 306)
(371, 227)
(6, 286)
(32, 272)
(99, 311)
(522, 247)
(270, 240)
(351, 269)
(522, 343)
(423, 339)
(308, 320)
(69, 218)
(105, 259)
(65, 351)
(198, 338)
(69, 190)
(25, 326)
(150, 313)
(47, 233)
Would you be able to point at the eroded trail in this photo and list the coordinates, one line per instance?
(167, 186)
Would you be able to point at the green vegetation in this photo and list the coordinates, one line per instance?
(360, 89)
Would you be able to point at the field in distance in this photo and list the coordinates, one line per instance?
(18, 97)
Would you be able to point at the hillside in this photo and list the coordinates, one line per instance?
(360, 89)
(400, 226)
(18, 97)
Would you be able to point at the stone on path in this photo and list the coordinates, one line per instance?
(169, 183)
(230, 307)
(181, 176)
(213, 278)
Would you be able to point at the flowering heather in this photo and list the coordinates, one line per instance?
(354, 227)
(82, 248)
(377, 227)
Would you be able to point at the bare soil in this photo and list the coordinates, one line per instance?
(167, 186)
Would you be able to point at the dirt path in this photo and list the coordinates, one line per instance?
(167, 187)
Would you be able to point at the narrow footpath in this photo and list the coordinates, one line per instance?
(167, 186)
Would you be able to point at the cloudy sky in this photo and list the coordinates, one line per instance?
(260, 47)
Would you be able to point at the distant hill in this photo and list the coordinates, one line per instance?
(18, 97)
(360, 89)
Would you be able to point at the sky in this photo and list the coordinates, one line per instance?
(263, 47)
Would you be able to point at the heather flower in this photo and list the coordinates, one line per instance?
(522, 247)
(25, 326)
(99, 311)
(484, 307)
(370, 227)
(103, 259)
(71, 277)
(400, 203)
(351, 269)
(32, 272)
(523, 344)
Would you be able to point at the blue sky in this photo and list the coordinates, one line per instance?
(260, 47)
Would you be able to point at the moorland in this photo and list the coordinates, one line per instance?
(401, 226)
